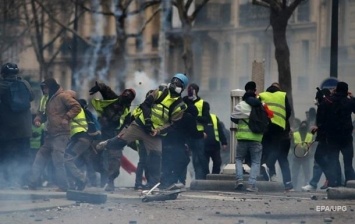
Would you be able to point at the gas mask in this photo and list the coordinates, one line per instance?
(176, 85)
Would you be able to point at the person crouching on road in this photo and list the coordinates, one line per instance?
(159, 111)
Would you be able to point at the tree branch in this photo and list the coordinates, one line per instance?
(198, 9)
(263, 4)
(62, 25)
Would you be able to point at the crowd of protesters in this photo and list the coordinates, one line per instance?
(168, 131)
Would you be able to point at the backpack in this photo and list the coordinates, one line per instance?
(258, 120)
(94, 129)
(18, 98)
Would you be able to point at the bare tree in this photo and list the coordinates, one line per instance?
(49, 23)
(12, 31)
(187, 20)
(280, 13)
(122, 10)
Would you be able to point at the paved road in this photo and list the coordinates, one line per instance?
(125, 206)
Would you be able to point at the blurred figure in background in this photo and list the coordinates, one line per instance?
(15, 128)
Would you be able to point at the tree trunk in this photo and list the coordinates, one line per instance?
(282, 55)
(187, 55)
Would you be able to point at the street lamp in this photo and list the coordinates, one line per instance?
(334, 40)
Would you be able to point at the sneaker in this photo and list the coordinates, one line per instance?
(252, 188)
(110, 187)
(273, 178)
(239, 185)
(138, 187)
(308, 188)
(325, 186)
(265, 172)
(289, 187)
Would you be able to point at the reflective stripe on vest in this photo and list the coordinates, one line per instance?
(215, 126)
(160, 111)
(298, 140)
(43, 103)
(78, 124)
(123, 117)
(199, 106)
(276, 103)
(244, 132)
(99, 104)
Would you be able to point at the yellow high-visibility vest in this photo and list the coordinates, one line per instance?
(276, 103)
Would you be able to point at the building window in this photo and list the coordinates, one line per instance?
(301, 13)
(253, 15)
(155, 41)
(139, 44)
(305, 55)
(214, 14)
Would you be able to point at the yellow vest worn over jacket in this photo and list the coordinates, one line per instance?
(199, 106)
(215, 126)
(42, 103)
(78, 123)
(244, 132)
(160, 112)
(100, 104)
(276, 103)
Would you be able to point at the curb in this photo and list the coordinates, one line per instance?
(341, 193)
(223, 185)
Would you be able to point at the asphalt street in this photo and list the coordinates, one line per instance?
(125, 206)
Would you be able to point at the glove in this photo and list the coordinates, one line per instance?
(148, 126)
(94, 89)
(101, 145)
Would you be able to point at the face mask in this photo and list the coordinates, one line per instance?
(178, 90)
(175, 88)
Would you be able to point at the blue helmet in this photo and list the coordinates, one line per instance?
(183, 78)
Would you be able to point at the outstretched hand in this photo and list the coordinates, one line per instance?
(94, 89)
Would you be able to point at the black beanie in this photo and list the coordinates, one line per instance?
(195, 87)
(250, 86)
(342, 87)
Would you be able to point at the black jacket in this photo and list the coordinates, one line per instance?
(334, 117)
(210, 142)
(184, 129)
(204, 118)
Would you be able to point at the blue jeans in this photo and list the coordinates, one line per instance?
(255, 149)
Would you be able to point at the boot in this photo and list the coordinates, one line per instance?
(154, 168)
